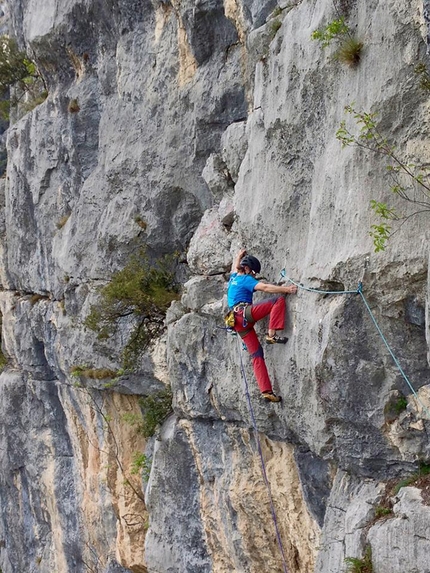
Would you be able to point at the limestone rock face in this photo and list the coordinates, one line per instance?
(407, 530)
(202, 128)
(392, 534)
(62, 453)
(221, 488)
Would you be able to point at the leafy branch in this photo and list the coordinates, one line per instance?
(19, 78)
(333, 30)
(349, 48)
(408, 181)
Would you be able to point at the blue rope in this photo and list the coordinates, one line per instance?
(299, 285)
(396, 362)
(359, 291)
(263, 466)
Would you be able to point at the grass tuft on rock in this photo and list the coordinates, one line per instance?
(364, 565)
(349, 52)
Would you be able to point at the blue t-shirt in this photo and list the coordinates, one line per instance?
(240, 289)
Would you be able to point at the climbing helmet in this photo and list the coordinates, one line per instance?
(252, 262)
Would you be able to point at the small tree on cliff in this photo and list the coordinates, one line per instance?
(19, 78)
(142, 292)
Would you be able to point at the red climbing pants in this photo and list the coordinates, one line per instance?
(275, 307)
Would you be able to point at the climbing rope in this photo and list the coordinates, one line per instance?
(396, 362)
(263, 465)
(299, 285)
(359, 291)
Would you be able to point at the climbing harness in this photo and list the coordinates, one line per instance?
(359, 291)
(242, 311)
(263, 465)
(245, 309)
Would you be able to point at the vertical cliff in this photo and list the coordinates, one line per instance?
(202, 127)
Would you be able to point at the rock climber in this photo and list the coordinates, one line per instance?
(241, 287)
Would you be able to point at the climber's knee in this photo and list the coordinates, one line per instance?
(258, 353)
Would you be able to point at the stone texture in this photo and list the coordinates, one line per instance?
(209, 251)
(407, 534)
(218, 471)
(170, 547)
(202, 290)
(217, 176)
(316, 480)
(65, 468)
(234, 146)
(352, 524)
(349, 511)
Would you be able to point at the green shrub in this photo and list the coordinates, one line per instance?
(93, 373)
(274, 27)
(18, 71)
(142, 290)
(381, 511)
(63, 221)
(423, 470)
(349, 48)
(133, 419)
(141, 464)
(409, 181)
(34, 101)
(3, 361)
(74, 106)
(3, 160)
(400, 405)
(141, 222)
(394, 407)
(403, 483)
(15, 66)
(424, 76)
(364, 565)
(332, 31)
(155, 409)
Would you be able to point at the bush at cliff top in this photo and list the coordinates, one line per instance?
(142, 291)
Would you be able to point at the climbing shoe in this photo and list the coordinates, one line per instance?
(271, 397)
(276, 339)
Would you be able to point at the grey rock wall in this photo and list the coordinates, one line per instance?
(204, 127)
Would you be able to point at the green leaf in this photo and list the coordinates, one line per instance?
(333, 30)
(382, 210)
(380, 235)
